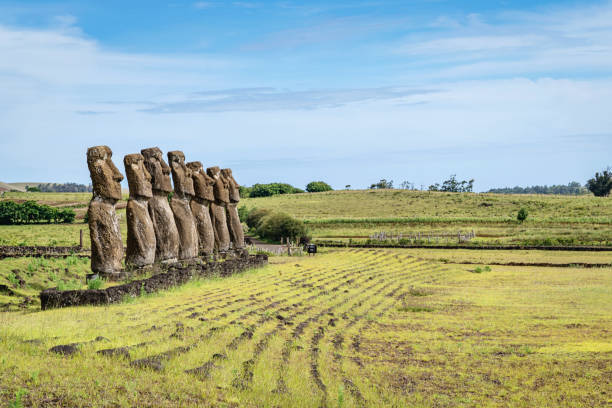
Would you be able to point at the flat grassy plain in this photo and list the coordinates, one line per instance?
(346, 328)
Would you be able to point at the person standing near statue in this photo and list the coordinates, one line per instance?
(104, 231)
(200, 206)
(166, 233)
(141, 242)
(183, 192)
(233, 219)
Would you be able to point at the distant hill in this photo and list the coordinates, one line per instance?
(10, 186)
(18, 186)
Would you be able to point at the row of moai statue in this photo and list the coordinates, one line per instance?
(200, 218)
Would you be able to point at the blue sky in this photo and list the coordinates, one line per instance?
(506, 92)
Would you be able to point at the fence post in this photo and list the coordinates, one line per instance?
(81, 239)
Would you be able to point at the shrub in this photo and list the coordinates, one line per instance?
(243, 213)
(255, 216)
(94, 283)
(522, 215)
(30, 211)
(318, 186)
(279, 225)
(267, 190)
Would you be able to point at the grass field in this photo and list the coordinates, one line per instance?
(357, 214)
(345, 328)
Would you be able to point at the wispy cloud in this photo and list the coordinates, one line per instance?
(270, 99)
(552, 41)
(203, 4)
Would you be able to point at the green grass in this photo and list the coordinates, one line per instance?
(38, 274)
(343, 215)
(553, 220)
(345, 328)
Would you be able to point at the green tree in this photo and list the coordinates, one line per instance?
(453, 185)
(601, 184)
(382, 184)
(318, 186)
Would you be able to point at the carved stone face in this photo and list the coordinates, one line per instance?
(202, 183)
(181, 175)
(158, 169)
(220, 187)
(214, 172)
(138, 177)
(105, 177)
(234, 190)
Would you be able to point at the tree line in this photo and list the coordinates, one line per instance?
(62, 188)
(31, 212)
(572, 188)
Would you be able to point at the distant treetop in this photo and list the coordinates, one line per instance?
(65, 188)
(573, 188)
(318, 186)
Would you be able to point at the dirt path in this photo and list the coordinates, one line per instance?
(264, 245)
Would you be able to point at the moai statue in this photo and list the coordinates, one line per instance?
(217, 209)
(183, 191)
(140, 233)
(106, 244)
(233, 220)
(200, 206)
(166, 233)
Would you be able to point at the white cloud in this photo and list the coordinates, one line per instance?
(556, 41)
(62, 92)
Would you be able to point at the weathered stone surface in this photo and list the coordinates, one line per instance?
(233, 220)
(166, 232)
(176, 274)
(217, 209)
(183, 191)
(106, 244)
(200, 207)
(141, 240)
(158, 169)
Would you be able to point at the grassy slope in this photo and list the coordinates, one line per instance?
(566, 220)
(353, 326)
(358, 214)
(436, 205)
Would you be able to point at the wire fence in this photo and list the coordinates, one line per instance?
(421, 237)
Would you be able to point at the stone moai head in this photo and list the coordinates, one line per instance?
(220, 187)
(158, 169)
(214, 172)
(234, 188)
(139, 179)
(181, 174)
(202, 183)
(105, 177)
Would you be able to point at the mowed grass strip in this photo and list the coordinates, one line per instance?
(354, 327)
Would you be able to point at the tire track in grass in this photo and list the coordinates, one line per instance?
(248, 364)
(298, 331)
(155, 361)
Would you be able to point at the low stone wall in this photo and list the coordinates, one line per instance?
(336, 244)
(38, 251)
(177, 274)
